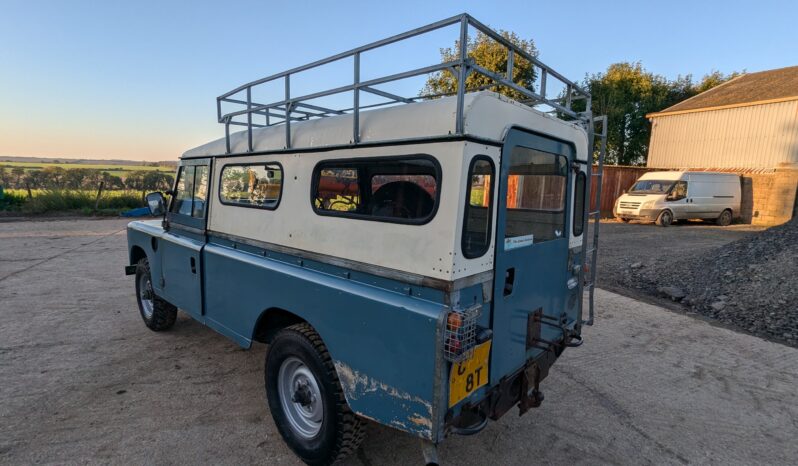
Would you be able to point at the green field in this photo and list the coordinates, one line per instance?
(77, 201)
(68, 165)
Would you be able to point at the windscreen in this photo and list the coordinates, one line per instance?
(652, 186)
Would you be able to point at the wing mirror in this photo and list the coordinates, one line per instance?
(156, 204)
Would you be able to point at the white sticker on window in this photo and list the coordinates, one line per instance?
(518, 242)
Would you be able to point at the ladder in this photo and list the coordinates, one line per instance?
(590, 242)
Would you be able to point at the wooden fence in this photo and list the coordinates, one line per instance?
(616, 180)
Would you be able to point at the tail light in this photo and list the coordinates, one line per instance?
(459, 337)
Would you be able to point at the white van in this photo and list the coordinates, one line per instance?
(667, 196)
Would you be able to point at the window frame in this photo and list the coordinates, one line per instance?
(176, 219)
(580, 176)
(491, 203)
(340, 163)
(248, 164)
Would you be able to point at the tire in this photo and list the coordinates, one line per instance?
(724, 219)
(324, 430)
(665, 218)
(624, 220)
(158, 315)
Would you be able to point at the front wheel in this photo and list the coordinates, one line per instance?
(158, 314)
(306, 399)
(665, 218)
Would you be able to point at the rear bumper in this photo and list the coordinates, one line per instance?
(520, 388)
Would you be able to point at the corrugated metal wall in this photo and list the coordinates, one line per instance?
(757, 136)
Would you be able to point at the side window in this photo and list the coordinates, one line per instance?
(478, 208)
(182, 203)
(252, 185)
(535, 196)
(392, 189)
(579, 203)
(679, 191)
(191, 192)
(200, 191)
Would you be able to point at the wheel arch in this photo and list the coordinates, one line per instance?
(136, 254)
(271, 321)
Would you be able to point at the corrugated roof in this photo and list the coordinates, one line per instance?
(748, 89)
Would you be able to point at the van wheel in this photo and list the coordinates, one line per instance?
(665, 218)
(725, 218)
(158, 314)
(306, 399)
(624, 220)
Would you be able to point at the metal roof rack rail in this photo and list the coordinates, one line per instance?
(296, 108)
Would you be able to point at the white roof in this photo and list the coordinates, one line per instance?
(677, 175)
(486, 115)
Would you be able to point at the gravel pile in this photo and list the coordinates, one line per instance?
(751, 283)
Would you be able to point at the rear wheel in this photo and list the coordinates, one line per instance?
(306, 399)
(665, 218)
(158, 314)
(724, 219)
(624, 220)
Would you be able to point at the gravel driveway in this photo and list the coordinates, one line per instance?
(83, 381)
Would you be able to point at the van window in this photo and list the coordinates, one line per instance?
(579, 203)
(251, 185)
(393, 189)
(679, 191)
(191, 191)
(478, 208)
(651, 186)
(535, 195)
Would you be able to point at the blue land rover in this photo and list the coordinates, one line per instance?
(419, 263)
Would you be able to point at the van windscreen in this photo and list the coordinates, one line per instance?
(652, 186)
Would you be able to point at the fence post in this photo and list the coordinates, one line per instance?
(99, 194)
(30, 194)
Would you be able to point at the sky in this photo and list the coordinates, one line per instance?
(139, 80)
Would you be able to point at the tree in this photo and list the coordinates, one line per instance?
(713, 79)
(5, 179)
(626, 92)
(490, 55)
(18, 172)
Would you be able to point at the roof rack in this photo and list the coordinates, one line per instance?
(296, 108)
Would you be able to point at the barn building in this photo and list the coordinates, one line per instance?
(748, 125)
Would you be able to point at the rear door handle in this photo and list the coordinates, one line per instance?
(193, 266)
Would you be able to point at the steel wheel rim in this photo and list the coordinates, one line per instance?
(295, 381)
(666, 218)
(146, 296)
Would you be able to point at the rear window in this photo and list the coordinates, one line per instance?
(579, 203)
(392, 189)
(535, 197)
(478, 208)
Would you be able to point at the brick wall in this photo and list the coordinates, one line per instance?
(770, 199)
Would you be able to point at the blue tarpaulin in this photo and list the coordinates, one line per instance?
(140, 212)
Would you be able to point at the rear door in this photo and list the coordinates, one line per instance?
(531, 249)
(181, 246)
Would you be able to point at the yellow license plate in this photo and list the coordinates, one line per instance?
(470, 374)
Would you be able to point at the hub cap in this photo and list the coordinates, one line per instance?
(146, 295)
(300, 398)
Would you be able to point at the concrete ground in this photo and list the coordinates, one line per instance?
(83, 381)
